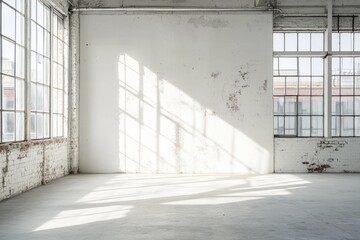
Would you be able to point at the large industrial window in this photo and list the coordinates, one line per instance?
(298, 84)
(345, 85)
(43, 77)
(12, 71)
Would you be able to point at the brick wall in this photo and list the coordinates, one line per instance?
(24, 166)
(317, 155)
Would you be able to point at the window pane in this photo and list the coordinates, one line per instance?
(288, 66)
(60, 125)
(290, 42)
(275, 66)
(357, 85)
(335, 85)
(347, 66)
(278, 42)
(357, 126)
(33, 97)
(33, 67)
(357, 105)
(20, 95)
(357, 42)
(346, 42)
(335, 126)
(54, 125)
(40, 69)
(291, 85)
(46, 99)
(317, 85)
(357, 66)
(47, 71)
(279, 86)
(55, 75)
(347, 126)
(317, 126)
(304, 41)
(290, 125)
(317, 105)
(54, 101)
(33, 125)
(20, 129)
(33, 9)
(336, 106)
(8, 123)
(55, 49)
(20, 5)
(60, 101)
(278, 105)
(10, 2)
(335, 66)
(46, 126)
(8, 93)
(39, 125)
(317, 42)
(40, 13)
(8, 57)
(47, 18)
(60, 52)
(20, 62)
(60, 77)
(317, 66)
(40, 40)
(304, 126)
(279, 125)
(335, 41)
(33, 36)
(20, 29)
(40, 98)
(304, 105)
(304, 86)
(347, 105)
(347, 85)
(46, 44)
(8, 21)
(304, 66)
(55, 26)
(290, 106)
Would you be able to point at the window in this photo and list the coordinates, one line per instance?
(345, 85)
(13, 79)
(298, 85)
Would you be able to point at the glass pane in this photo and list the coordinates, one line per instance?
(54, 101)
(346, 42)
(33, 97)
(278, 125)
(357, 42)
(33, 125)
(8, 123)
(304, 41)
(317, 66)
(40, 40)
(291, 85)
(357, 85)
(317, 85)
(335, 66)
(8, 21)
(46, 99)
(47, 44)
(55, 75)
(304, 86)
(60, 125)
(335, 85)
(317, 126)
(10, 2)
(60, 77)
(335, 41)
(33, 10)
(317, 42)
(288, 66)
(40, 13)
(335, 126)
(33, 67)
(357, 126)
(20, 5)
(279, 86)
(347, 126)
(55, 49)
(8, 93)
(290, 41)
(54, 125)
(290, 125)
(47, 71)
(46, 126)
(275, 66)
(33, 36)
(40, 69)
(20, 95)
(20, 128)
(60, 29)
(20, 62)
(347, 67)
(347, 85)
(304, 105)
(61, 53)
(47, 18)
(39, 125)
(317, 105)
(304, 126)
(278, 44)
(20, 29)
(40, 98)
(278, 105)
(55, 26)
(60, 101)
(357, 66)
(290, 106)
(335, 106)
(8, 57)
(347, 105)
(357, 105)
(304, 66)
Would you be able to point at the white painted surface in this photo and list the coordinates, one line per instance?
(304, 154)
(176, 93)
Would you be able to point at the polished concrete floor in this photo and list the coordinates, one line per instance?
(151, 207)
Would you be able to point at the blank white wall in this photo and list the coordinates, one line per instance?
(176, 93)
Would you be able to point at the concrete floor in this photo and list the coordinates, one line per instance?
(276, 206)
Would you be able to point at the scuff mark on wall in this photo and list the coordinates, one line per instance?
(204, 21)
(215, 74)
(265, 84)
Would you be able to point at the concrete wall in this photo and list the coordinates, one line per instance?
(317, 155)
(176, 93)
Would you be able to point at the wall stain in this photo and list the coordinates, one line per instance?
(207, 22)
(215, 74)
(265, 84)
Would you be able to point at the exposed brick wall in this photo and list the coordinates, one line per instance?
(317, 155)
(24, 166)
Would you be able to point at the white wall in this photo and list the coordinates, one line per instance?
(176, 93)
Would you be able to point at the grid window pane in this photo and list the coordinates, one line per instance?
(304, 41)
(304, 126)
(290, 125)
(292, 85)
(8, 93)
(317, 125)
(8, 57)
(8, 21)
(304, 105)
(347, 105)
(288, 66)
(317, 42)
(346, 41)
(347, 126)
(335, 41)
(279, 125)
(279, 106)
(290, 41)
(304, 85)
(335, 126)
(304, 66)
(279, 85)
(8, 124)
